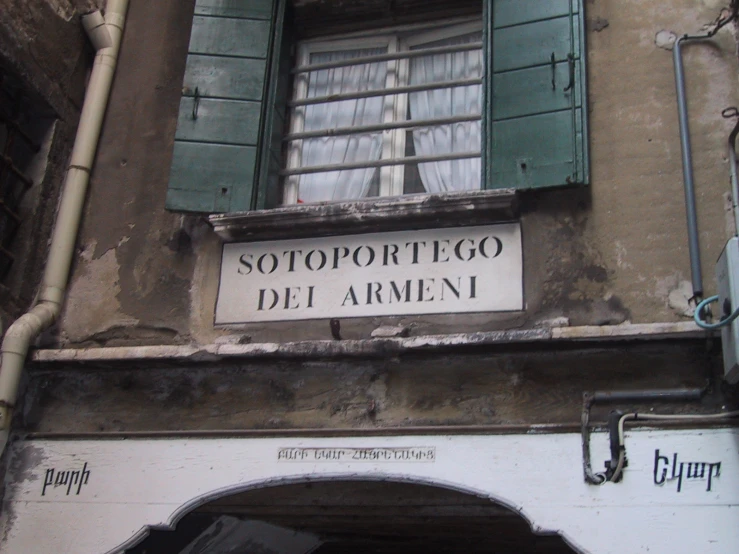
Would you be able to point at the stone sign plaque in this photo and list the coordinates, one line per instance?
(432, 271)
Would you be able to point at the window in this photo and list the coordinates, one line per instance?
(439, 120)
(26, 122)
(467, 103)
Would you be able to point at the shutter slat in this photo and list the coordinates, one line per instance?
(518, 92)
(229, 37)
(209, 177)
(532, 44)
(515, 12)
(534, 151)
(219, 121)
(236, 78)
(256, 9)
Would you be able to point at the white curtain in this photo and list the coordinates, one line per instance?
(448, 175)
(345, 184)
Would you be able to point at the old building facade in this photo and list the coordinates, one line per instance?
(390, 355)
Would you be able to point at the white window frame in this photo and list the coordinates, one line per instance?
(396, 106)
(442, 34)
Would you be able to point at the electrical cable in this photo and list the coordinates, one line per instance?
(686, 417)
(711, 326)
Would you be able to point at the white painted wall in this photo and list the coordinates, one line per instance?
(136, 484)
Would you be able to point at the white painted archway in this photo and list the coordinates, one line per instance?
(352, 515)
(102, 496)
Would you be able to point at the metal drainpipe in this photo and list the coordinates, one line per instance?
(687, 157)
(105, 35)
(686, 149)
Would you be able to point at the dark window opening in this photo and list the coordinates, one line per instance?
(24, 123)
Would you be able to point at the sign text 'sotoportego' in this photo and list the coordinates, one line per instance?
(465, 269)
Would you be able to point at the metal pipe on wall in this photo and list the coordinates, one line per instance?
(733, 112)
(686, 148)
(105, 34)
(687, 159)
(624, 396)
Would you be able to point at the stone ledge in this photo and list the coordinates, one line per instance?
(369, 348)
(418, 211)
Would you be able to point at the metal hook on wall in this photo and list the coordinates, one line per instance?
(196, 103)
(554, 72)
(571, 64)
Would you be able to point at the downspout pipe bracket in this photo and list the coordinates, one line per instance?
(95, 26)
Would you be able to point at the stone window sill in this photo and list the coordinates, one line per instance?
(419, 211)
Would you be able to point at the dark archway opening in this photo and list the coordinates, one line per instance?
(358, 517)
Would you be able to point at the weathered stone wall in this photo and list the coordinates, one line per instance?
(507, 385)
(615, 251)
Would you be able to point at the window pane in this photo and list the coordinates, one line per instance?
(457, 138)
(344, 184)
(412, 183)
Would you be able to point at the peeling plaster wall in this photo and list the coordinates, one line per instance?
(602, 255)
(637, 219)
(137, 260)
(465, 386)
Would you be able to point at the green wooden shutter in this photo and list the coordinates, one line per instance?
(275, 123)
(536, 116)
(217, 150)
